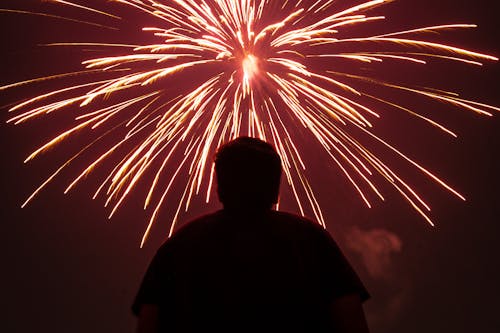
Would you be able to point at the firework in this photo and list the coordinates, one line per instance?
(255, 67)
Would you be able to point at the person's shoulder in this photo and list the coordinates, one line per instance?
(294, 218)
(301, 224)
(193, 228)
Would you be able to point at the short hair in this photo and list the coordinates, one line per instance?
(248, 172)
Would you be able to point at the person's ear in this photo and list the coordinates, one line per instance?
(275, 196)
(219, 194)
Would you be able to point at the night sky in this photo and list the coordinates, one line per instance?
(67, 268)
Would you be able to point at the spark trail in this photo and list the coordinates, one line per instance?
(258, 69)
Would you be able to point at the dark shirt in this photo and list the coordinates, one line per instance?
(247, 273)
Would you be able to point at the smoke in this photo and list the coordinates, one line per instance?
(376, 248)
(389, 287)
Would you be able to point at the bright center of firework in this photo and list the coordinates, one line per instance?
(250, 68)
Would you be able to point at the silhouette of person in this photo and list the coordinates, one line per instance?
(247, 267)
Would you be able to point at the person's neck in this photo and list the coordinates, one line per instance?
(246, 210)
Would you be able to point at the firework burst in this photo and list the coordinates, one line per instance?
(255, 67)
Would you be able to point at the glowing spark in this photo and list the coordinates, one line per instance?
(256, 67)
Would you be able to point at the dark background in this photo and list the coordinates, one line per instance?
(67, 268)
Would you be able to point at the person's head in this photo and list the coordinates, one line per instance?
(248, 173)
